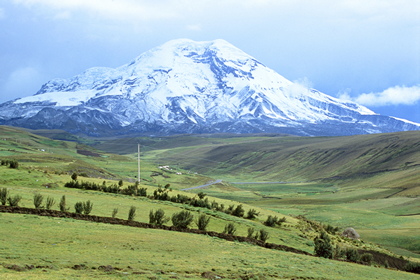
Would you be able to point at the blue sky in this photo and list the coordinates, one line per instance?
(367, 51)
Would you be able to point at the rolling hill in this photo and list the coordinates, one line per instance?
(45, 247)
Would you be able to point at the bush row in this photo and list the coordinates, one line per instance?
(182, 219)
(163, 194)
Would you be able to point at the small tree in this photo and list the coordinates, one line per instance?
(274, 220)
(78, 207)
(271, 221)
(201, 195)
(114, 212)
(132, 213)
(323, 246)
(14, 201)
(120, 183)
(63, 206)
(74, 176)
(4, 193)
(230, 228)
(158, 217)
(38, 198)
(87, 207)
(202, 221)
(239, 211)
(263, 235)
(252, 214)
(250, 232)
(182, 219)
(49, 203)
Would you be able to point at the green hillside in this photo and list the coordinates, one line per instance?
(42, 247)
(371, 182)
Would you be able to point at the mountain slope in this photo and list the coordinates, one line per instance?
(378, 160)
(191, 87)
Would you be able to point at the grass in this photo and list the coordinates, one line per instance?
(372, 204)
(61, 245)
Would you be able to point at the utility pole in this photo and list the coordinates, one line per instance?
(138, 163)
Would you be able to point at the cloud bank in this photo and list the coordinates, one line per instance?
(397, 95)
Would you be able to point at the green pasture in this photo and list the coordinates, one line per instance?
(365, 186)
(105, 203)
(68, 249)
(369, 211)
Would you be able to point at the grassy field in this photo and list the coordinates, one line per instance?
(372, 177)
(48, 248)
(68, 249)
(392, 221)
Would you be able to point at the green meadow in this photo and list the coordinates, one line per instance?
(275, 175)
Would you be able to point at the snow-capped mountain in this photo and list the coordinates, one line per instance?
(184, 86)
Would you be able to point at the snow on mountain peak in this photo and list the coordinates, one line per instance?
(188, 86)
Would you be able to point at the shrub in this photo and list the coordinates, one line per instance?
(114, 212)
(250, 232)
(78, 207)
(352, 255)
(132, 213)
(281, 221)
(4, 193)
(339, 253)
(182, 219)
(229, 210)
(14, 201)
(330, 229)
(323, 246)
(49, 203)
(202, 221)
(366, 258)
(158, 217)
(74, 176)
(201, 195)
(263, 235)
(230, 228)
(38, 198)
(87, 207)
(142, 192)
(63, 206)
(252, 214)
(239, 211)
(13, 164)
(271, 221)
(274, 220)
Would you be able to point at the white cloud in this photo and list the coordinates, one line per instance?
(383, 10)
(300, 87)
(398, 95)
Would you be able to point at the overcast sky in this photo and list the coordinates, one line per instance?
(364, 50)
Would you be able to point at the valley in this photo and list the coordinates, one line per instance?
(368, 182)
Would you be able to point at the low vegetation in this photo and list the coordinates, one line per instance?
(39, 178)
